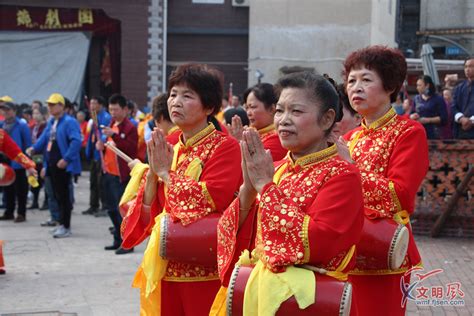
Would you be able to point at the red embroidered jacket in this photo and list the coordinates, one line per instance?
(313, 214)
(392, 156)
(188, 200)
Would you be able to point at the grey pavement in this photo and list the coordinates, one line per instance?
(75, 276)
(70, 275)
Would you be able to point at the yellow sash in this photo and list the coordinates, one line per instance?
(153, 267)
(132, 187)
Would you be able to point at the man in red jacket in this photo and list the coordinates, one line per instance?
(123, 135)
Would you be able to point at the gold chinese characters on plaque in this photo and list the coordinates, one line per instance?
(53, 19)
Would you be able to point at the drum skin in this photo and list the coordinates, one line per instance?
(383, 245)
(7, 175)
(195, 243)
(333, 297)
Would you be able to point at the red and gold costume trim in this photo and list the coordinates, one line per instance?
(211, 157)
(13, 152)
(392, 156)
(311, 213)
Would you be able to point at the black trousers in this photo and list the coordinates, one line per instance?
(115, 189)
(18, 191)
(96, 186)
(60, 181)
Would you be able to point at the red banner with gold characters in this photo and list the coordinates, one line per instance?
(95, 21)
(60, 19)
(52, 19)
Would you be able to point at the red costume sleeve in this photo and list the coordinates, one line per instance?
(232, 240)
(173, 136)
(136, 226)
(407, 167)
(336, 218)
(273, 143)
(329, 227)
(13, 152)
(190, 200)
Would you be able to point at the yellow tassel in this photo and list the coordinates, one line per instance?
(218, 307)
(402, 217)
(134, 183)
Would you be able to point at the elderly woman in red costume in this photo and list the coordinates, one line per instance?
(197, 177)
(391, 153)
(260, 103)
(306, 211)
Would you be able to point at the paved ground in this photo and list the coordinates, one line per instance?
(77, 277)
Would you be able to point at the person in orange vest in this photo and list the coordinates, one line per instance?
(122, 134)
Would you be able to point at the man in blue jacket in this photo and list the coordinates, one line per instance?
(463, 104)
(20, 133)
(62, 140)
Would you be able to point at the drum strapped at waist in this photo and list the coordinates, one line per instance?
(331, 297)
(383, 244)
(195, 243)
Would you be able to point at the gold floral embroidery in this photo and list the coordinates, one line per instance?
(226, 236)
(395, 199)
(200, 136)
(282, 220)
(319, 156)
(381, 121)
(189, 200)
(371, 151)
(306, 238)
(24, 161)
(207, 195)
(182, 272)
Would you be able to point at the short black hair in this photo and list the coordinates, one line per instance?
(118, 99)
(229, 114)
(429, 81)
(206, 81)
(264, 92)
(43, 111)
(130, 104)
(320, 89)
(160, 108)
(39, 102)
(99, 100)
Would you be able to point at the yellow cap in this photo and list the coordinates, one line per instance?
(6, 98)
(55, 98)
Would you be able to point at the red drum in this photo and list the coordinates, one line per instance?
(195, 243)
(383, 245)
(7, 175)
(333, 297)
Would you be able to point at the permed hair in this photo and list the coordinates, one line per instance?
(388, 63)
(206, 81)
